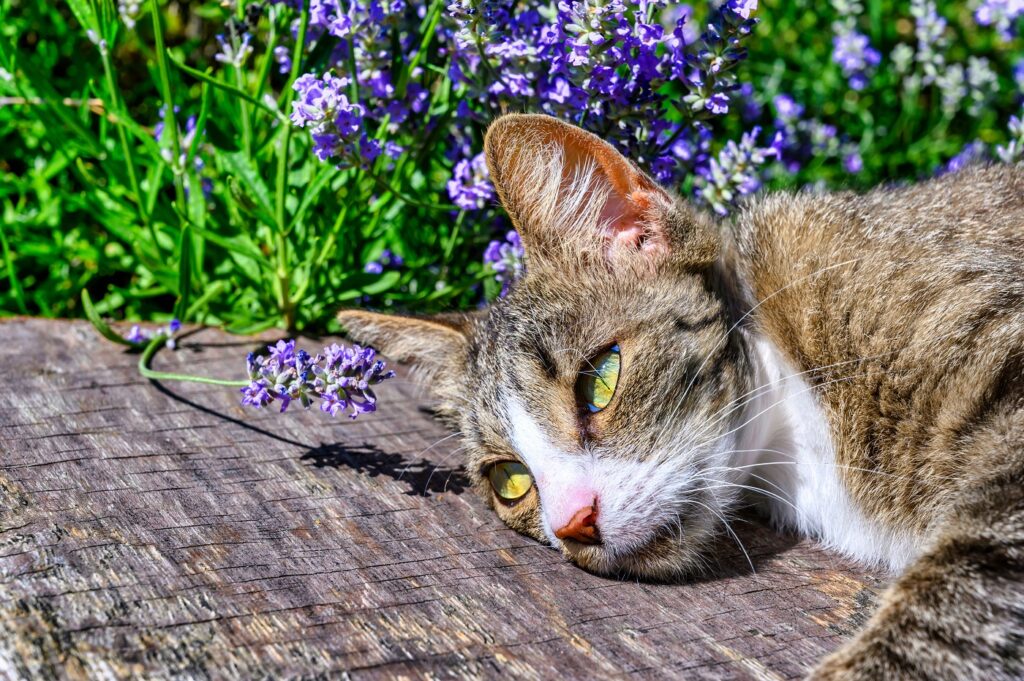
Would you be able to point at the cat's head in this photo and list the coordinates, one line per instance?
(594, 399)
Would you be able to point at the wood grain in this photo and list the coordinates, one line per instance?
(161, 531)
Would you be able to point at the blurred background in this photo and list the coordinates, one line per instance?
(257, 165)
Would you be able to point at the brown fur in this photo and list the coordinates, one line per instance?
(905, 308)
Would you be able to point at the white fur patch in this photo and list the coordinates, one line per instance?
(796, 461)
(634, 498)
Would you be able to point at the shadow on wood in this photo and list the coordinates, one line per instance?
(423, 477)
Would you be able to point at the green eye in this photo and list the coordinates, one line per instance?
(510, 479)
(596, 385)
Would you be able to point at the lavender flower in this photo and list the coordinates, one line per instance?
(973, 152)
(386, 260)
(930, 30)
(137, 334)
(333, 121)
(734, 172)
(185, 139)
(853, 53)
(129, 11)
(341, 378)
(283, 57)
(1002, 14)
(234, 50)
(505, 258)
(470, 187)
(853, 163)
(1013, 151)
(596, 62)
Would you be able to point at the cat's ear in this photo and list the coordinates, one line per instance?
(568, 190)
(435, 346)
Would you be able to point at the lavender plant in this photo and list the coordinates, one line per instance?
(289, 157)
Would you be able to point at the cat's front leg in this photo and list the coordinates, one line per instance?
(958, 612)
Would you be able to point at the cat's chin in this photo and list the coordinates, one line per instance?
(667, 557)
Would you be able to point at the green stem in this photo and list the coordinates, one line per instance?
(126, 149)
(244, 112)
(268, 57)
(151, 350)
(284, 281)
(281, 186)
(170, 125)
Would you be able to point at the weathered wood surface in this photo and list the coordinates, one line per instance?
(158, 530)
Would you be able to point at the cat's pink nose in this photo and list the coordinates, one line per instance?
(583, 526)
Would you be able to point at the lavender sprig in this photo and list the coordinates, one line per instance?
(139, 335)
(341, 378)
(505, 258)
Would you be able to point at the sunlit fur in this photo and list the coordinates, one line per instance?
(858, 359)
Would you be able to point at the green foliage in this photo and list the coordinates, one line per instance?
(92, 202)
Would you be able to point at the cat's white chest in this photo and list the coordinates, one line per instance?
(793, 457)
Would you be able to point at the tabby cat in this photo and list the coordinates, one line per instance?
(857, 358)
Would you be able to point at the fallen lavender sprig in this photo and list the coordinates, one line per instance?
(138, 335)
(340, 378)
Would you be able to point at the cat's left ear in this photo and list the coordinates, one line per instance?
(435, 346)
(570, 192)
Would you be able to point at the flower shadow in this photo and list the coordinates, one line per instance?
(422, 477)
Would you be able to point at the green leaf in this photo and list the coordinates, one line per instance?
(378, 284)
(231, 89)
(184, 271)
(86, 16)
(240, 245)
(100, 325)
(19, 294)
(244, 171)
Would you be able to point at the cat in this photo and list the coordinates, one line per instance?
(859, 359)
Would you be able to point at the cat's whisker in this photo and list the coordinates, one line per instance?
(424, 451)
(738, 402)
(729, 529)
(725, 336)
(444, 460)
(772, 406)
(824, 464)
(725, 484)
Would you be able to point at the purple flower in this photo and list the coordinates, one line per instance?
(341, 378)
(1002, 14)
(137, 334)
(973, 152)
(853, 163)
(742, 8)
(853, 53)
(256, 395)
(283, 57)
(234, 50)
(718, 103)
(786, 108)
(470, 187)
(734, 172)
(505, 258)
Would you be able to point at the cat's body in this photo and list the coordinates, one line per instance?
(860, 359)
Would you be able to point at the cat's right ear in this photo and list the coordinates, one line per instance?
(572, 195)
(435, 346)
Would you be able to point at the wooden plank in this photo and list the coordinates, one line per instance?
(160, 530)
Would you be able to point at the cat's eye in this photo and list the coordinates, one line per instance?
(510, 480)
(595, 386)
